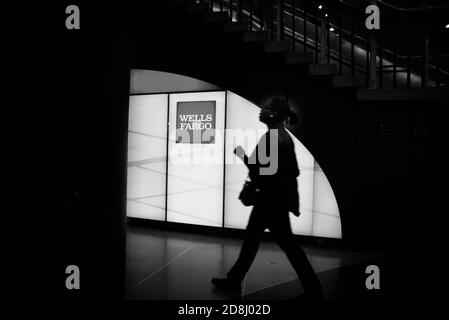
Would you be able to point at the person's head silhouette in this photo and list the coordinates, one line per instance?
(275, 112)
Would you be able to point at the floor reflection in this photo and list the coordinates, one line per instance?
(170, 265)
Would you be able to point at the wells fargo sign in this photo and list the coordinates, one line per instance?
(195, 122)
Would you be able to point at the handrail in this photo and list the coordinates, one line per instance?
(273, 19)
(361, 39)
(412, 9)
(391, 6)
(392, 53)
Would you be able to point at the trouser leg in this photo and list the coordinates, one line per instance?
(281, 231)
(249, 249)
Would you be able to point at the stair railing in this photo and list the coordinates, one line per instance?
(409, 49)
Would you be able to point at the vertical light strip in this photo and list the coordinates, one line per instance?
(224, 157)
(193, 193)
(166, 158)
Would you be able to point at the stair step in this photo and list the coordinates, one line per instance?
(299, 58)
(255, 36)
(346, 82)
(216, 17)
(323, 69)
(277, 46)
(403, 94)
(198, 7)
(240, 26)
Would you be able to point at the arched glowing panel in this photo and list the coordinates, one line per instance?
(243, 115)
(147, 147)
(166, 182)
(318, 206)
(326, 218)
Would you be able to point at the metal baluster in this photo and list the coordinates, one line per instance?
(277, 19)
(381, 66)
(408, 56)
(294, 26)
(367, 58)
(305, 26)
(352, 46)
(394, 53)
(250, 15)
(426, 44)
(239, 5)
(372, 34)
(328, 39)
(323, 33)
(231, 6)
(316, 34)
(272, 19)
(340, 36)
(437, 65)
(281, 19)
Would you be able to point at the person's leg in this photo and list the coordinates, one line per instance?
(281, 230)
(254, 231)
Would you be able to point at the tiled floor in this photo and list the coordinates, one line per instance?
(169, 265)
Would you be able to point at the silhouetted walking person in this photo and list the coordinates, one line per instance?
(277, 196)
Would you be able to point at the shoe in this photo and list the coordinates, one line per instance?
(227, 283)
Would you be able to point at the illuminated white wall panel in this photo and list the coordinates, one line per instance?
(147, 147)
(242, 115)
(326, 218)
(303, 223)
(318, 206)
(195, 190)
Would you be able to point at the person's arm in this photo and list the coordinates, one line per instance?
(253, 167)
(239, 152)
(253, 162)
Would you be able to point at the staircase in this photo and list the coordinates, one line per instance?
(246, 26)
(330, 36)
